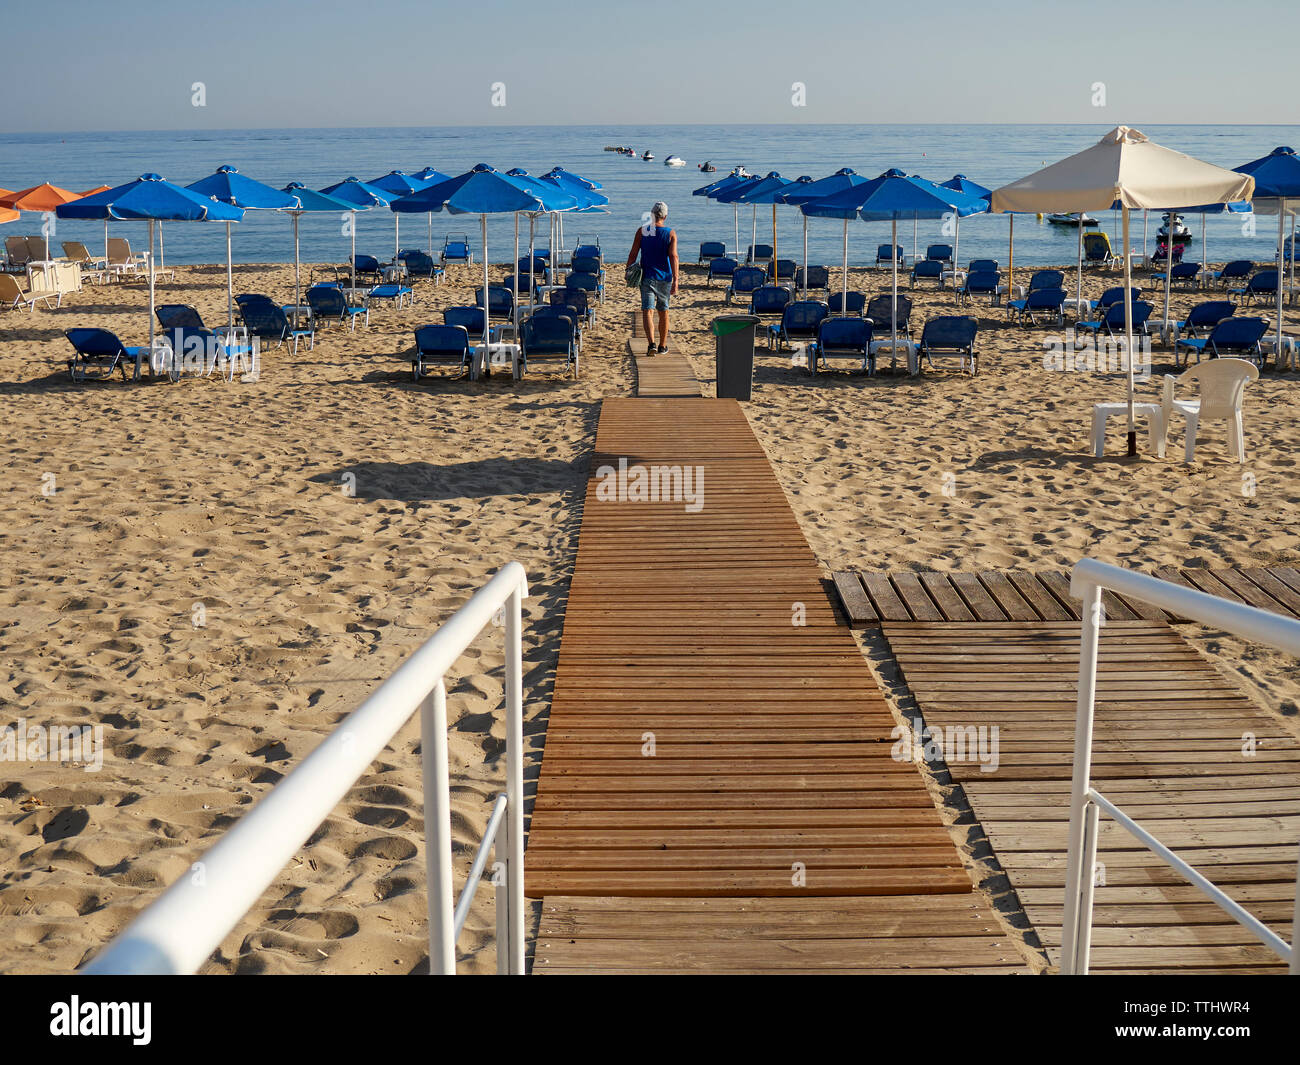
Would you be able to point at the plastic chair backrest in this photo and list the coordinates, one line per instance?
(1221, 384)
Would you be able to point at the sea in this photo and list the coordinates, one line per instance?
(989, 154)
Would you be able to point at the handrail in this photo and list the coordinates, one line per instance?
(1087, 581)
(179, 930)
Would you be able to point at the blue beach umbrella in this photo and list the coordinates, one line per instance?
(307, 200)
(797, 195)
(150, 199)
(753, 191)
(889, 197)
(228, 185)
(554, 198)
(481, 191)
(722, 184)
(397, 183)
(1277, 178)
(360, 197)
(586, 191)
(961, 183)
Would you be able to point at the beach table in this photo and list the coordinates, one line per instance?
(54, 275)
(484, 356)
(1153, 412)
(298, 313)
(395, 271)
(1081, 307)
(953, 277)
(1017, 293)
(909, 348)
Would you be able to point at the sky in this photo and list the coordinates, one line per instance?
(275, 64)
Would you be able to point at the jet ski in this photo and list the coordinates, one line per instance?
(648, 157)
(674, 160)
(708, 168)
(1072, 220)
(1173, 223)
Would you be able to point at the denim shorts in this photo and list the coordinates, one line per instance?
(654, 294)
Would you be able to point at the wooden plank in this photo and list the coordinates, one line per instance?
(977, 598)
(910, 590)
(1011, 601)
(854, 599)
(950, 603)
(1287, 600)
(884, 599)
(1038, 596)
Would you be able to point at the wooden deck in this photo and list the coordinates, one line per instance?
(1170, 748)
(715, 738)
(663, 376)
(844, 936)
(871, 597)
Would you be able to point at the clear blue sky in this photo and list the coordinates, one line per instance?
(274, 63)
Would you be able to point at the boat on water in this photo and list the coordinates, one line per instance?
(648, 157)
(1173, 225)
(707, 167)
(1084, 220)
(674, 160)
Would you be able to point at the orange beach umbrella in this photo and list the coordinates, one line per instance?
(6, 215)
(38, 198)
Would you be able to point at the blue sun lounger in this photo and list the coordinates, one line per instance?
(845, 338)
(1231, 337)
(99, 353)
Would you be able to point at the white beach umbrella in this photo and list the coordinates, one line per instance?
(1124, 167)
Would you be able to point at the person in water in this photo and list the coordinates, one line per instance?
(656, 243)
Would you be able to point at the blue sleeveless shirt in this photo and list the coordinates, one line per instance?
(655, 265)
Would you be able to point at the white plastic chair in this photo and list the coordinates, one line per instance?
(1221, 383)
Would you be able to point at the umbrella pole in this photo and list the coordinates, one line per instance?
(776, 273)
(1011, 254)
(893, 316)
(1144, 234)
(844, 307)
(753, 233)
(805, 256)
(515, 277)
(297, 263)
(162, 257)
(151, 294)
(1169, 279)
(483, 231)
(230, 283)
(354, 249)
(430, 217)
(914, 245)
(397, 235)
(1078, 291)
(1128, 334)
(735, 210)
(107, 274)
(1205, 259)
(1281, 240)
(956, 251)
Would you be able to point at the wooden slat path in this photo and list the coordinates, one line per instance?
(872, 597)
(702, 628)
(717, 791)
(1176, 746)
(663, 376)
(844, 936)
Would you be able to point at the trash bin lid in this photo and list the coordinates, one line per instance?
(732, 323)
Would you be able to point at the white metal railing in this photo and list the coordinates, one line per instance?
(184, 925)
(1087, 581)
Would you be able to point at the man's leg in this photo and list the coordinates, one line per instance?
(663, 327)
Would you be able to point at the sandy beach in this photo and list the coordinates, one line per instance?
(187, 568)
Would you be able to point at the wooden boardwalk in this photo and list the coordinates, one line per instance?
(663, 376)
(871, 597)
(1176, 746)
(716, 738)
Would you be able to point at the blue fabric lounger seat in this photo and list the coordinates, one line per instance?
(1205, 316)
(1262, 286)
(980, 283)
(456, 250)
(1043, 301)
(951, 336)
(846, 338)
(393, 292)
(1237, 270)
(548, 337)
(799, 321)
(99, 353)
(856, 302)
(441, 345)
(1230, 337)
(268, 322)
(1113, 320)
(927, 270)
(328, 304)
(723, 266)
(745, 281)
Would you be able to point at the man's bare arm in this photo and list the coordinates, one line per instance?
(636, 248)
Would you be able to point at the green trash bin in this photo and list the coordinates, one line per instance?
(734, 350)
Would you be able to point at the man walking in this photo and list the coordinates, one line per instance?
(656, 243)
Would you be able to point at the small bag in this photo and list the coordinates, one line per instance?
(633, 276)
